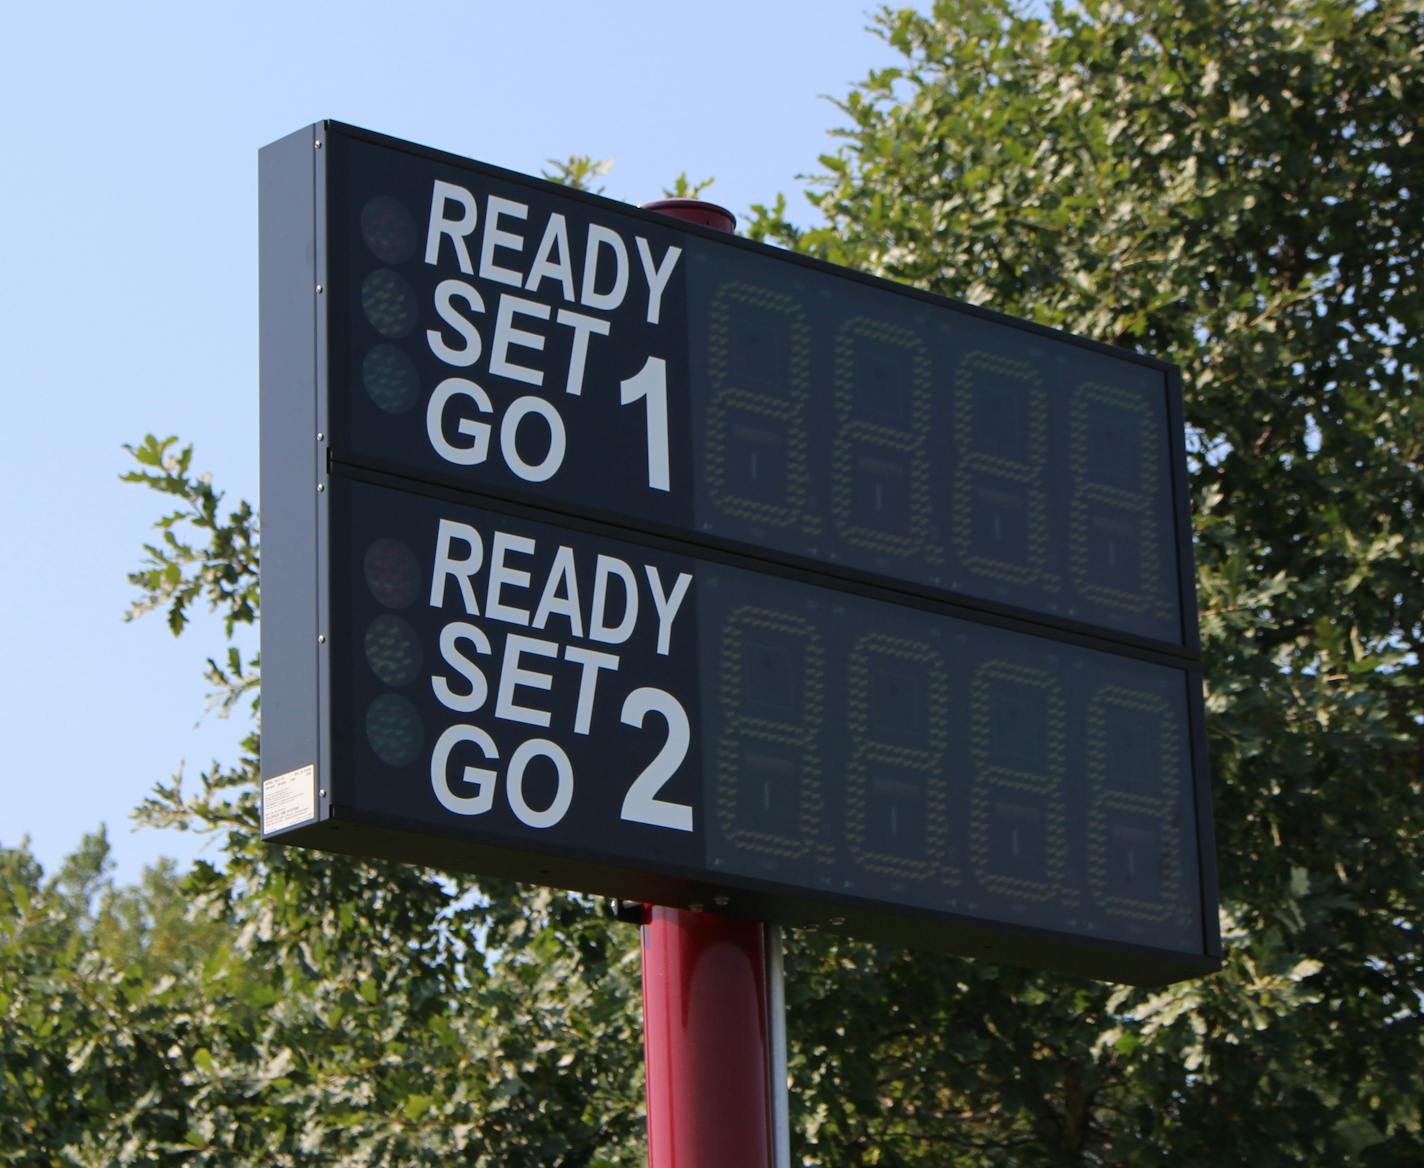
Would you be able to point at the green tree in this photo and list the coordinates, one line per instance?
(1234, 187)
(85, 970)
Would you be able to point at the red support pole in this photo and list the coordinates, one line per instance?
(705, 1041)
(695, 211)
(705, 1034)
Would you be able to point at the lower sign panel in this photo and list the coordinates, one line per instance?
(564, 707)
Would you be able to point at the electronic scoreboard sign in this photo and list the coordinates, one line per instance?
(610, 552)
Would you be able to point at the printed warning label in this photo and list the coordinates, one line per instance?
(288, 799)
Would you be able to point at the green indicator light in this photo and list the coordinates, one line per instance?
(390, 379)
(388, 301)
(392, 574)
(392, 650)
(388, 229)
(393, 730)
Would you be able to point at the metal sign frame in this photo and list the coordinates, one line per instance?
(301, 472)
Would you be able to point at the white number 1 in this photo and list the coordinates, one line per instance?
(650, 384)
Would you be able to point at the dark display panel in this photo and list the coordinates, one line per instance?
(505, 336)
(555, 690)
(914, 652)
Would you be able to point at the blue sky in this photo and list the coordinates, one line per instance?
(129, 199)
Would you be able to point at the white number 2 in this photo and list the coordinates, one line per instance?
(641, 804)
(650, 384)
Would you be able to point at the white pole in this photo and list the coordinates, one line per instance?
(776, 1031)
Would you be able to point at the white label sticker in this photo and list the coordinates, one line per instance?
(288, 799)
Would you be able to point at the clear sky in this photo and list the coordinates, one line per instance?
(128, 198)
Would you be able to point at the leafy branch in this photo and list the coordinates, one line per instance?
(202, 555)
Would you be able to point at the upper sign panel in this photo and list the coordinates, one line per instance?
(510, 337)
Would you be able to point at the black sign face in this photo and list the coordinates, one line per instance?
(498, 336)
(626, 557)
(518, 681)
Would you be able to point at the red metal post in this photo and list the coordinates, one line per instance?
(705, 999)
(695, 211)
(705, 1041)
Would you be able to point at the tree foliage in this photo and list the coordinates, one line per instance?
(292, 1008)
(1232, 186)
